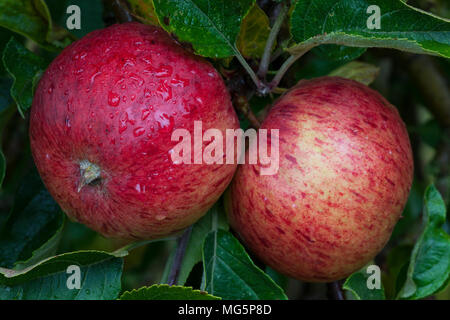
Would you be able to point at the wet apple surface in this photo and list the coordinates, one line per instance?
(101, 125)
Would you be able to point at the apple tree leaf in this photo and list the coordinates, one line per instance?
(362, 72)
(50, 279)
(429, 266)
(31, 18)
(33, 228)
(229, 272)
(166, 292)
(254, 32)
(397, 262)
(357, 285)
(410, 221)
(346, 23)
(23, 66)
(144, 11)
(210, 26)
(193, 253)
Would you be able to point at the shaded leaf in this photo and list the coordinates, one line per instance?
(231, 274)
(100, 278)
(144, 10)
(357, 285)
(33, 227)
(402, 27)
(254, 32)
(410, 221)
(215, 218)
(2, 167)
(211, 27)
(166, 292)
(396, 261)
(31, 18)
(362, 72)
(23, 66)
(279, 278)
(429, 268)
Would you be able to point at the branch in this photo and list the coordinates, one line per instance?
(334, 291)
(123, 251)
(260, 86)
(121, 11)
(433, 87)
(182, 243)
(241, 103)
(265, 60)
(286, 65)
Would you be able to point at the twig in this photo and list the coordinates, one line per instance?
(265, 60)
(182, 243)
(260, 86)
(121, 11)
(334, 291)
(241, 103)
(123, 251)
(285, 66)
(432, 85)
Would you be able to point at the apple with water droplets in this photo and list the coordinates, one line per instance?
(101, 124)
(345, 172)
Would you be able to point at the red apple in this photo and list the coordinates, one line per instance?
(100, 130)
(345, 172)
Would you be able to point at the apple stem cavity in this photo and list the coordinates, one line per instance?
(89, 173)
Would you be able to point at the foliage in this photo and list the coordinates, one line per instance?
(37, 245)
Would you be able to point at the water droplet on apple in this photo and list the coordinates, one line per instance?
(94, 76)
(138, 131)
(164, 91)
(145, 114)
(163, 71)
(179, 82)
(113, 99)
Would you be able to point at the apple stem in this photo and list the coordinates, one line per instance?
(89, 172)
(265, 60)
(260, 86)
(335, 291)
(121, 11)
(182, 243)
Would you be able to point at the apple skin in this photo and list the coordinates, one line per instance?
(344, 176)
(113, 98)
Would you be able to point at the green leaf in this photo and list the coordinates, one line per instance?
(410, 221)
(402, 27)
(23, 66)
(100, 278)
(397, 263)
(144, 10)
(254, 32)
(215, 218)
(211, 26)
(279, 278)
(429, 267)
(231, 274)
(357, 285)
(31, 18)
(362, 72)
(33, 227)
(166, 292)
